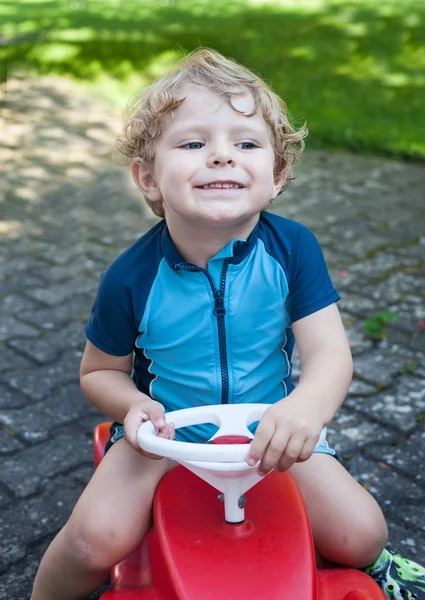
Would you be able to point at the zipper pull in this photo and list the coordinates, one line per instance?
(219, 309)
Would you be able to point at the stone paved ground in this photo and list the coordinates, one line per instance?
(69, 210)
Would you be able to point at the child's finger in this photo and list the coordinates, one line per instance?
(292, 451)
(273, 452)
(307, 450)
(263, 435)
(155, 412)
(168, 432)
(131, 427)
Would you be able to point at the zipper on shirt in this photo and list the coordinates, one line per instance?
(219, 312)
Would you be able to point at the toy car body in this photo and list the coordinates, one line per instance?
(191, 553)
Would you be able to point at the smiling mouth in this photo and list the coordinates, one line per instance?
(221, 186)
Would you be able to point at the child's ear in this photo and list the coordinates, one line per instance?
(143, 178)
(279, 181)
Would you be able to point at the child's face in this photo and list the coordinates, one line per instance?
(206, 142)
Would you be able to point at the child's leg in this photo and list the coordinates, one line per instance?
(348, 525)
(108, 523)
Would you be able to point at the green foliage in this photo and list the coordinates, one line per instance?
(375, 327)
(409, 367)
(354, 70)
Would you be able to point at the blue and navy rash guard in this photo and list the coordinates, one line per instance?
(216, 335)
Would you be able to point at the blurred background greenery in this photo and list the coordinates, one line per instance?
(353, 69)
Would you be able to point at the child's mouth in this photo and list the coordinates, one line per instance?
(221, 186)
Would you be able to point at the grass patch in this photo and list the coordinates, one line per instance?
(375, 327)
(354, 70)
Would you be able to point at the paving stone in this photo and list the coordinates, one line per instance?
(405, 456)
(11, 398)
(344, 280)
(361, 388)
(15, 304)
(356, 304)
(359, 246)
(410, 360)
(410, 319)
(24, 473)
(407, 541)
(78, 308)
(82, 249)
(296, 365)
(6, 497)
(414, 250)
(16, 264)
(80, 268)
(10, 327)
(377, 367)
(63, 404)
(391, 490)
(396, 288)
(37, 517)
(16, 581)
(354, 330)
(11, 360)
(29, 246)
(408, 316)
(48, 346)
(88, 423)
(8, 443)
(381, 266)
(399, 407)
(83, 474)
(56, 294)
(24, 281)
(414, 340)
(414, 523)
(408, 306)
(36, 383)
(348, 432)
(55, 256)
(13, 264)
(403, 359)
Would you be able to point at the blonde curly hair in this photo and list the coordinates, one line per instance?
(145, 112)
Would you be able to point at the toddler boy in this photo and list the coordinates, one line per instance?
(205, 308)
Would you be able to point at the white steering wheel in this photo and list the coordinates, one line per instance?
(231, 419)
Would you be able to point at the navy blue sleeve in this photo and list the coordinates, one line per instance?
(122, 294)
(310, 286)
(111, 327)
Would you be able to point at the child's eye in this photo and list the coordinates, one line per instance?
(248, 145)
(193, 145)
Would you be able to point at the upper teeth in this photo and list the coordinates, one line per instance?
(222, 185)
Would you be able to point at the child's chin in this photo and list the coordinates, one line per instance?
(224, 217)
(223, 222)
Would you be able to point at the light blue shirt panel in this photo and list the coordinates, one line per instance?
(256, 322)
(179, 335)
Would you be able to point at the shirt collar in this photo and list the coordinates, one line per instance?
(236, 250)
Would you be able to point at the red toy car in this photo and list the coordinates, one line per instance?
(193, 553)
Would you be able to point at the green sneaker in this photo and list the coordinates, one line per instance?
(398, 577)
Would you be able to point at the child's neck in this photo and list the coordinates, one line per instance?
(198, 245)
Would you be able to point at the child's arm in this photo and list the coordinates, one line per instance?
(290, 429)
(106, 383)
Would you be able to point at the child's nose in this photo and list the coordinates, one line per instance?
(230, 161)
(221, 156)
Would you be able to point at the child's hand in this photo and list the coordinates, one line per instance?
(287, 433)
(149, 410)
